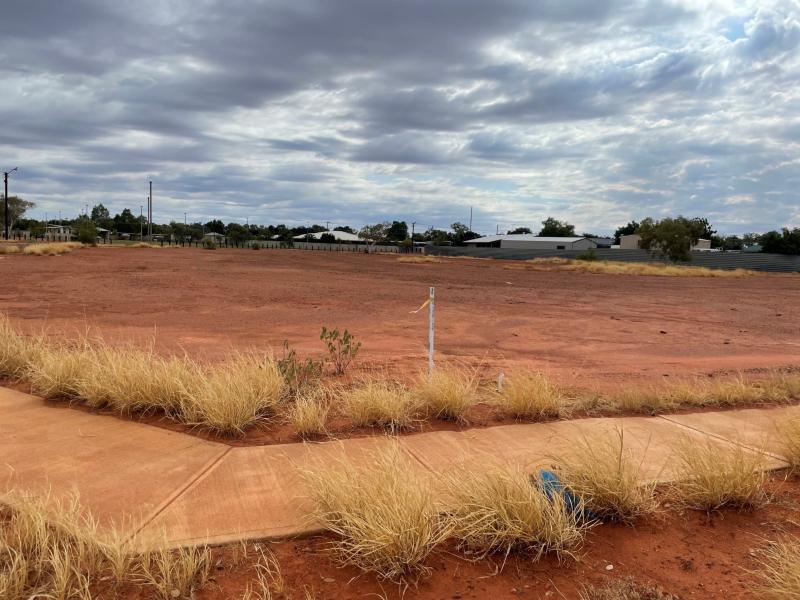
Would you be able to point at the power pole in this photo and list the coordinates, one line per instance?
(184, 219)
(470, 218)
(150, 213)
(413, 224)
(141, 222)
(5, 211)
(327, 225)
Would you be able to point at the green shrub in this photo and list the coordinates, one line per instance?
(87, 232)
(589, 254)
(342, 348)
(209, 244)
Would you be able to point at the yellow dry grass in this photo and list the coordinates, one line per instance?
(17, 351)
(51, 248)
(713, 475)
(8, 248)
(53, 549)
(419, 259)
(527, 395)
(379, 402)
(607, 477)
(609, 267)
(448, 393)
(789, 440)
(779, 573)
(382, 513)
(308, 414)
(500, 509)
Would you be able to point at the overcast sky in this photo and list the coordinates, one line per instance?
(594, 111)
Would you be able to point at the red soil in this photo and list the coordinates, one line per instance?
(585, 330)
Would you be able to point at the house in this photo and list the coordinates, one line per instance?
(632, 241)
(213, 236)
(58, 233)
(526, 241)
(339, 236)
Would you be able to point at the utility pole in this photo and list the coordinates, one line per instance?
(141, 222)
(327, 225)
(184, 219)
(150, 213)
(470, 218)
(5, 211)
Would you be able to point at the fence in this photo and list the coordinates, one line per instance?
(756, 261)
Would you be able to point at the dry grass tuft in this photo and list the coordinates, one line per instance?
(448, 393)
(17, 351)
(309, 411)
(789, 439)
(235, 395)
(529, 396)
(500, 509)
(52, 549)
(779, 575)
(608, 478)
(715, 475)
(51, 248)
(58, 370)
(383, 513)
(7, 248)
(609, 267)
(381, 403)
(625, 589)
(419, 259)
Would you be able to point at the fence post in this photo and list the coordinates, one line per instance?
(431, 316)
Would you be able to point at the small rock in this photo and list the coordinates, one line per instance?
(609, 567)
(663, 332)
(328, 580)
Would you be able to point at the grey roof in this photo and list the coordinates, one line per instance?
(524, 237)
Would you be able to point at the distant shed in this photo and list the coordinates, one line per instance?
(525, 241)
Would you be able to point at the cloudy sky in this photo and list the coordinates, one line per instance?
(355, 111)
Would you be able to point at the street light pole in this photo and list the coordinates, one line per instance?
(5, 208)
(141, 222)
(150, 214)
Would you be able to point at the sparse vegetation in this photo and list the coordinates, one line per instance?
(500, 509)
(789, 439)
(342, 348)
(447, 393)
(609, 267)
(608, 478)
(51, 248)
(8, 248)
(528, 395)
(419, 259)
(383, 514)
(714, 475)
(309, 411)
(625, 589)
(779, 575)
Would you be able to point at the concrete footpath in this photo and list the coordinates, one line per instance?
(157, 483)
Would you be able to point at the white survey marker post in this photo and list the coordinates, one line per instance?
(431, 307)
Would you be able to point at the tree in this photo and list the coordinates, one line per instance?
(345, 228)
(236, 232)
(786, 242)
(87, 232)
(554, 228)
(671, 238)
(215, 226)
(327, 238)
(397, 231)
(437, 236)
(462, 233)
(519, 230)
(16, 209)
(374, 233)
(726, 242)
(628, 229)
(125, 222)
(100, 212)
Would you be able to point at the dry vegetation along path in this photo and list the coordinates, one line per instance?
(162, 482)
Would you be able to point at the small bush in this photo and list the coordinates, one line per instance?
(87, 232)
(589, 254)
(51, 249)
(789, 439)
(608, 478)
(383, 513)
(499, 509)
(714, 475)
(529, 396)
(209, 244)
(8, 248)
(298, 374)
(17, 352)
(447, 394)
(381, 403)
(342, 348)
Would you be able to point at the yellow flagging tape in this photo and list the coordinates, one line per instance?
(424, 304)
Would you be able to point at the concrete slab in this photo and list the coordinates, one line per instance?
(121, 470)
(754, 428)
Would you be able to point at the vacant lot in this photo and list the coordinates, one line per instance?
(584, 329)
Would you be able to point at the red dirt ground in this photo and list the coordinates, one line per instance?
(585, 330)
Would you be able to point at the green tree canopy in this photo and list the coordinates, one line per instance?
(125, 222)
(628, 229)
(17, 207)
(462, 233)
(671, 238)
(785, 242)
(554, 228)
(519, 230)
(397, 231)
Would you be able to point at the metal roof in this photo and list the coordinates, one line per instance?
(523, 237)
(341, 236)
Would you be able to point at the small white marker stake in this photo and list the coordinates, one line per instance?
(431, 306)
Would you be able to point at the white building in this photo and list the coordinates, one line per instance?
(526, 241)
(339, 236)
(58, 233)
